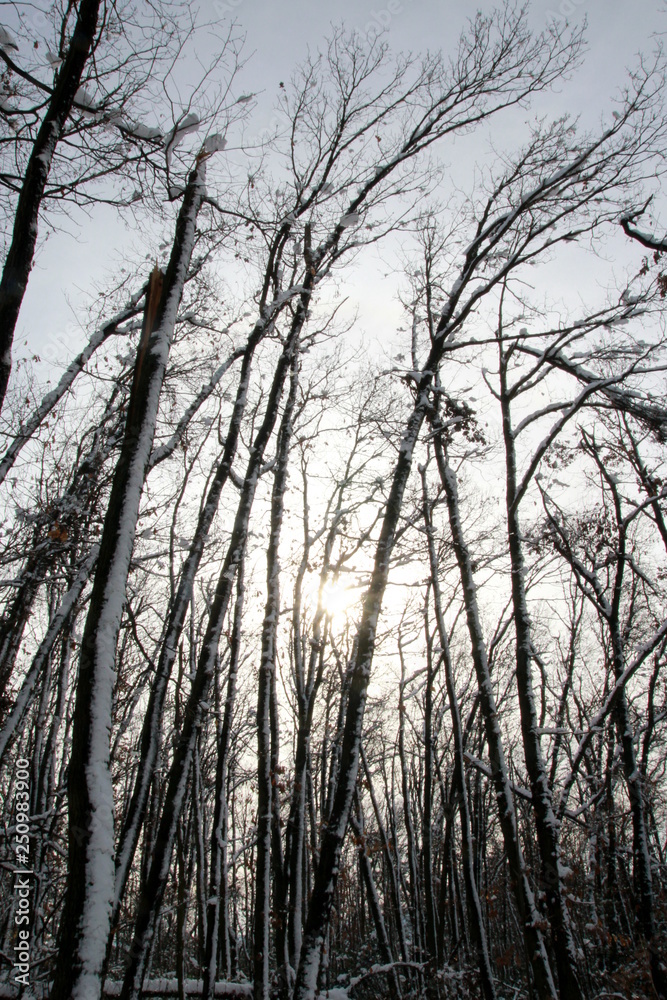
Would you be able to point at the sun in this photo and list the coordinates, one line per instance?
(336, 598)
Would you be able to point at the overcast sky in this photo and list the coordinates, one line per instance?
(279, 32)
(278, 36)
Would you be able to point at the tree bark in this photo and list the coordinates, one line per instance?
(150, 731)
(531, 920)
(21, 252)
(152, 891)
(467, 849)
(266, 722)
(546, 823)
(88, 900)
(336, 824)
(217, 916)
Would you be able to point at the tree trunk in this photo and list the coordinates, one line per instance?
(89, 896)
(21, 252)
(152, 890)
(150, 732)
(467, 848)
(336, 825)
(266, 721)
(531, 920)
(430, 917)
(413, 867)
(384, 946)
(546, 823)
(217, 916)
(41, 657)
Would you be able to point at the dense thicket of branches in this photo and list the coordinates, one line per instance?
(335, 666)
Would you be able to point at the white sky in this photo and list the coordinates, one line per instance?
(278, 35)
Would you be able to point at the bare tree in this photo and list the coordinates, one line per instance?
(259, 584)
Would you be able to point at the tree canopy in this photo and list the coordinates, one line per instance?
(332, 666)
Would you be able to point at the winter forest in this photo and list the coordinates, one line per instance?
(332, 665)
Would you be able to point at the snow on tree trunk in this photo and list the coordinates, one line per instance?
(217, 917)
(266, 772)
(13, 622)
(546, 824)
(384, 944)
(153, 888)
(413, 861)
(431, 917)
(40, 658)
(52, 398)
(336, 824)
(609, 609)
(85, 923)
(21, 252)
(389, 860)
(531, 919)
(150, 731)
(633, 778)
(467, 850)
